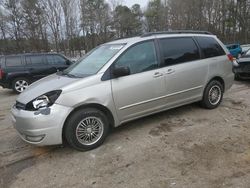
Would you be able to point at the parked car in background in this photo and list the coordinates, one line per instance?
(245, 48)
(235, 50)
(242, 69)
(121, 81)
(17, 72)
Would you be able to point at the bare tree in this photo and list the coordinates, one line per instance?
(3, 25)
(15, 17)
(53, 14)
(70, 9)
(34, 24)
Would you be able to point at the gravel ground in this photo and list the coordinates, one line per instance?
(184, 147)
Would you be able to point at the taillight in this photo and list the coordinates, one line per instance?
(1, 73)
(230, 57)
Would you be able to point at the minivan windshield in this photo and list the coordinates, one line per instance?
(93, 61)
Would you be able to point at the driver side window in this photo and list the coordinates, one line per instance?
(139, 58)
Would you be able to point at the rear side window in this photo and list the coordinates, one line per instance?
(34, 60)
(178, 50)
(13, 61)
(210, 47)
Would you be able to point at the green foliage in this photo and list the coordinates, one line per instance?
(155, 15)
(128, 22)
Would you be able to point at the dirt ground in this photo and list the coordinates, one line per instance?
(184, 147)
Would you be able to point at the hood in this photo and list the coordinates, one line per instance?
(47, 84)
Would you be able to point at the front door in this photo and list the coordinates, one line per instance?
(56, 63)
(141, 92)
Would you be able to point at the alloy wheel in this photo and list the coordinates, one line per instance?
(21, 85)
(89, 130)
(215, 94)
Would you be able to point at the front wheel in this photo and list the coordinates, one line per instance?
(213, 95)
(86, 129)
(20, 84)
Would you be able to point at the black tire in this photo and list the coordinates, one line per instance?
(207, 101)
(74, 121)
(19, 80)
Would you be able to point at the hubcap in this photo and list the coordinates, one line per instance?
(89, 130)
(21, 85)
(214, 95)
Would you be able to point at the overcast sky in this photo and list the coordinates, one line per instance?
(129, 3)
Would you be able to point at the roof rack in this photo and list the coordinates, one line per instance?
(176, 32)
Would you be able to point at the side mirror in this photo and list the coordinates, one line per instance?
(120, 71)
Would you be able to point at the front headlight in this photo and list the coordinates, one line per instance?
(41, 102)
(44, 101)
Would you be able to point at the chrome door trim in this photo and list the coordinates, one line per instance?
(158, 98)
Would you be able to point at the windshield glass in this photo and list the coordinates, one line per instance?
(93, 61)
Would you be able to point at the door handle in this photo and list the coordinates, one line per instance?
(158, 74)
(170, 71)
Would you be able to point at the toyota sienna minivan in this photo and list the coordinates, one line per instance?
(121, 81)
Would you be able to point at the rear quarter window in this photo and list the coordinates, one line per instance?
(210, 47)
(13, 61)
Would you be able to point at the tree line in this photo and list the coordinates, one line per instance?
(71, 26)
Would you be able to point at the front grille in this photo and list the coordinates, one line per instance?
(20, 106)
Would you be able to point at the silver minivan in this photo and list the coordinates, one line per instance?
(121, 81)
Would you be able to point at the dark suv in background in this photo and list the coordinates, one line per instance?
(17, 72)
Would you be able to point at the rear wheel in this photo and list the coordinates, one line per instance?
(213, 95)
(20, 84)
(86, 129)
